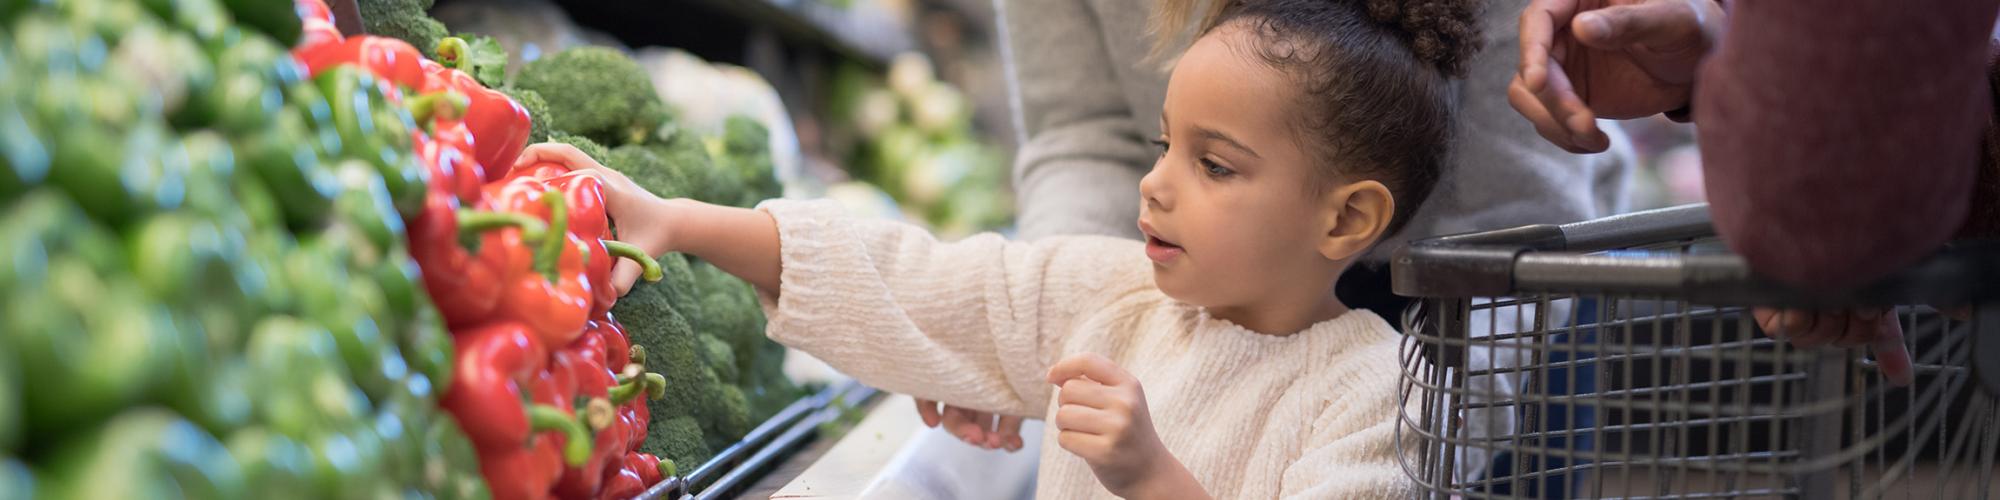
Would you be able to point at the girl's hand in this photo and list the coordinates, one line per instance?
(974, 427)
(1103, 420)
(641, 217)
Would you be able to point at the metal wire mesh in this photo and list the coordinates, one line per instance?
(1579, 395)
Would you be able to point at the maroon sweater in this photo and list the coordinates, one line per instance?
(1840, 140)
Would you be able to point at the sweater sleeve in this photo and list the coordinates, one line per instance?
(1839, 140)
(1350, 451)
(1081, 156)
(972, 323)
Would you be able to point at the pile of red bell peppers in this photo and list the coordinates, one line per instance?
(544, 383)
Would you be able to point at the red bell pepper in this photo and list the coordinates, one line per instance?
(500, 124)
(465, 286)
(589, 220)
(522, 472)
(386, 58)
(612, 432)
(318, 26)
(543, 286)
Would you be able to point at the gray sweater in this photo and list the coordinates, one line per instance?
(1086, 99)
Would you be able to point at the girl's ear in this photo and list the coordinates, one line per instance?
(1358, 214)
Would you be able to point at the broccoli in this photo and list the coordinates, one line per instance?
(538, 112)
(732, 420)
(721, 358)
(679, 439)
(675, 351)
(405, 20)
(746, 147)
(589, 147)
(603, 94)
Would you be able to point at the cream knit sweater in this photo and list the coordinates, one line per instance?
(977, 323)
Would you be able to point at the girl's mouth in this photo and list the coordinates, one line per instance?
(1162, 251)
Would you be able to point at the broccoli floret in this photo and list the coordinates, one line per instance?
(405, 20)
(589, 147)
(746, 147)
(675, 351)
(679, 439)
(603, 94)
(538, 112)
(731, 420)
(721, 358)
(644, 165)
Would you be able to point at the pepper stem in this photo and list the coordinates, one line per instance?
(549, 257)
(479, 221)
(656, 385)
(576, 451)
(599, 413)
(627, 389)
(451, 51)
(649, 268)
(443, 104)
(638, 354)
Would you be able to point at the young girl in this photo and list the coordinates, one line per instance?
(1210, 360)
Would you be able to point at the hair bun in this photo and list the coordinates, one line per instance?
(1443, 33)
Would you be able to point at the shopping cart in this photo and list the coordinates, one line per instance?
(1618, 358)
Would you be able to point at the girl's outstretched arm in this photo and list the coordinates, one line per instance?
(741, 241)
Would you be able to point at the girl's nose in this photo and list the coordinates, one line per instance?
(1153, 188)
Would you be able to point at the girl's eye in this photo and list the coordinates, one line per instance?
(1214, 169)
(1160, 143)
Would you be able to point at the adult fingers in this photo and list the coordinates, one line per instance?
(1539, 21)
(1669, 26)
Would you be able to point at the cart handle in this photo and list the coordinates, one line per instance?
(1591, 257)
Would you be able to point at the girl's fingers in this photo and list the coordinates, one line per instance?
(1087, 393)
(556, 152)
(1008, 433)
(1087, 420)
(927, 411)
(624, 274)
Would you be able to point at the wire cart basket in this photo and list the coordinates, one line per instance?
(1618, 358)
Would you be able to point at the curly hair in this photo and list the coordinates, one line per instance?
(1378, 77)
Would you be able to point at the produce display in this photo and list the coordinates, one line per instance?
(248, 256)
(209, 290)
(698, 327)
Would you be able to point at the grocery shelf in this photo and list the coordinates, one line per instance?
(742, 463)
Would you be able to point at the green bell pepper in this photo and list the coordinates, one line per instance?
(273, 17)
(91, 336)
(273, 465)
(144, 453)
(285, 159)
(347, 462)
(376, 131)
(10, 403)
(451, 465)
(220, 400)
(295, 377)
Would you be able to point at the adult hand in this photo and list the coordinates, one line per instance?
(1587, 59)
(1876, 329)
(974, 427)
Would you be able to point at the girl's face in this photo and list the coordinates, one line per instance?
(1229, 217)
